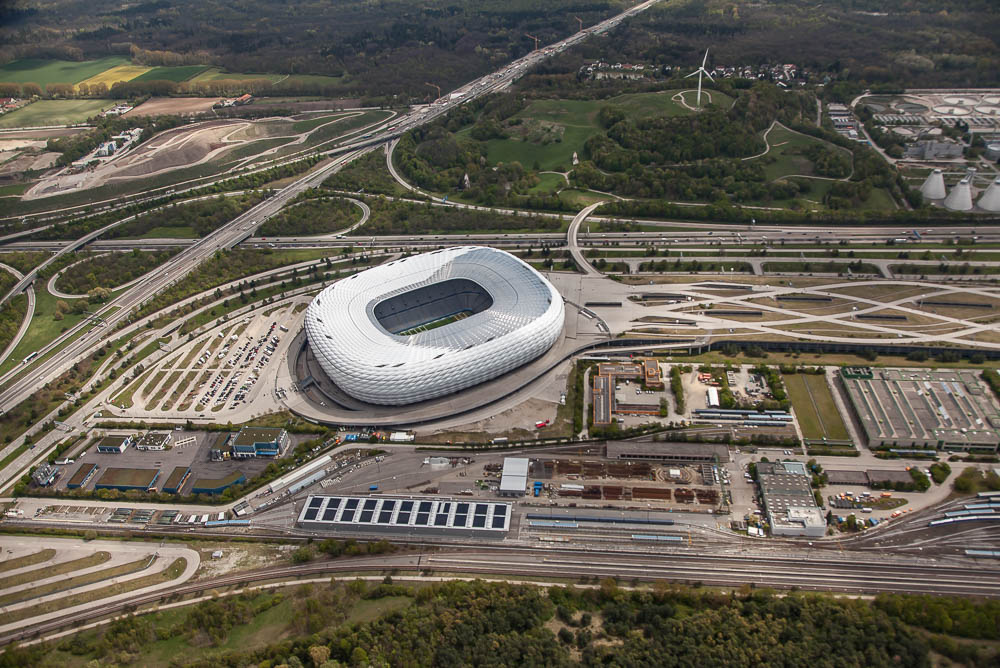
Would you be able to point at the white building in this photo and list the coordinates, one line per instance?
(430, 325)
(514, 479)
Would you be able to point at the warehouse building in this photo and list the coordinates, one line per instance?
(126, 479)
(786, 489)
(442, 516)
(175, 481)
(919, 409)
(258, 442)
(514, 479)
(114, 445)
(82, 476)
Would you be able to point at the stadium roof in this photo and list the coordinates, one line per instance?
(429, 325)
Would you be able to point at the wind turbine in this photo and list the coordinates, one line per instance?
(701, 70)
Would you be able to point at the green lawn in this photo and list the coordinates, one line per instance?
(785, 147)
(182, 73)
(548, 183)
(44, 72)
(312, 79)
(814, 406)
(43, 328)
(582, 198)
(552, 130)
(185, 232)
(53, 112)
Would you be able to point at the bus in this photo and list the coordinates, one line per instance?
(30, 357)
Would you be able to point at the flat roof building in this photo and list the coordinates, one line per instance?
(918, 409)
(258, 442)
(124, 479)
(114, 444)
(786, 489)
(440, 516)
(154, 440)
(82, 476)
(175, 481)
(514, 479)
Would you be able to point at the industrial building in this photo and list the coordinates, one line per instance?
(918, 409)
(443, 517)
(258, 442)
(45, 474)
(693, 453)
(175, 481)
(646, 371)
(82, 476)
(514, 479)
(124, 480)
(429, 325)
(114, 444)
(786, 490)
(154, 440)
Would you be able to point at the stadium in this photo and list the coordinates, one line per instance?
(430, 325)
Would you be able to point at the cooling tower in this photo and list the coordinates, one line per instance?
(990, 201)
(933, 187)
(960, 197)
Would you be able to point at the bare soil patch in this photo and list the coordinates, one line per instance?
(174, 106)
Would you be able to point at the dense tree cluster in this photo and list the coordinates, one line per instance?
(312, 216)
(392, 218)
(110, 271)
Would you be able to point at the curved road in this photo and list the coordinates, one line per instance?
(28, 314)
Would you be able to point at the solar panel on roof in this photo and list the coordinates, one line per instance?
(422, 519)
(370, 504)
(481, 508)
(329, 514)
(311, 513)
(352, 504)
(366, 516)
(463, 508)
(460, 520)
(479, 521)
(500, 510)
(385, 516)
(406, 505)
(440, 520)
(499, 521)
(424, 507)
(348, 516)
(316, 502)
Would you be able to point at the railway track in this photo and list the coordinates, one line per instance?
(856, 576)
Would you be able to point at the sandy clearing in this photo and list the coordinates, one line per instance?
(159, 106)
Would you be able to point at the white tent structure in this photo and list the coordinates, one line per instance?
(933, 187)
(990, 200)
(960, 197)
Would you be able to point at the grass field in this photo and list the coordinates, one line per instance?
(53, 570)
(182, 73)
(124, 398)
(549, 183)
(53, 112)
(814, 407)
(116, 74)
(174, 571)
(27, 560)
(71, 583)
(215, 73)
(786, 147)
(552, 130)
(43, 328)
(44, 72)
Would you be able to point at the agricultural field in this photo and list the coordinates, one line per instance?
(177, 74)
(45, 72)
(53, 112)
(548, 132)
(216, 74)
(115, 74)
(814, 407)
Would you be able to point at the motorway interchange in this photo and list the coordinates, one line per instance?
(207, 377)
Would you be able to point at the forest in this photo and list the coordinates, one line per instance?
(384, 49)
(110, 270)
(499, 624)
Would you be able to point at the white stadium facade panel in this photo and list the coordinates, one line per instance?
(430, 325)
